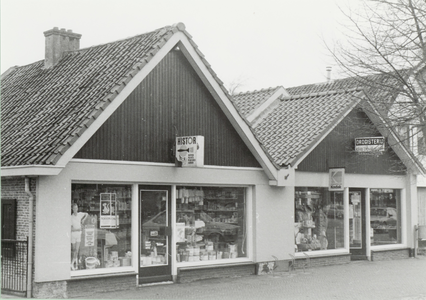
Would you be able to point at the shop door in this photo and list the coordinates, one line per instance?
(357, 228)
(154, 234)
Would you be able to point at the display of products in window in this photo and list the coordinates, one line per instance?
(319, 219)
(384, 216)
(210, 223)
(154, 227)
(100, 226)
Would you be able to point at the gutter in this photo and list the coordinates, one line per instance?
(30, 238)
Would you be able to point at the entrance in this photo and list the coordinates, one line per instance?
(155, 234)
(357, 228)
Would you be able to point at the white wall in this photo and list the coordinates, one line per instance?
(272, 206)
(273, 217)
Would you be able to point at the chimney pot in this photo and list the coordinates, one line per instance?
(57, 42)
(328, 69)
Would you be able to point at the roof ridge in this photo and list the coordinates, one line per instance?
(161, 31)
(261, 90)
(331, 92)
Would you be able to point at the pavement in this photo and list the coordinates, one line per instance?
(403, 279)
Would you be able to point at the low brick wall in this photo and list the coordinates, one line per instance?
(50, 290)
(186, 275)
(88, 286)
(380, 255)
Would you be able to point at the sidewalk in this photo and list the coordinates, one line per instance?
(398, 279)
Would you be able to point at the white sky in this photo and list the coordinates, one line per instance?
(258, 43)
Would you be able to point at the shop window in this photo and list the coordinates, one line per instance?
(100, 226)
(385, 217)
(210, 223)
(319, 216)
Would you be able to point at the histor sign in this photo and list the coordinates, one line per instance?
(190, 151)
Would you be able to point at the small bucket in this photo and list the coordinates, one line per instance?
(92, 262)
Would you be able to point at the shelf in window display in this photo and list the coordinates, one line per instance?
(223, 199)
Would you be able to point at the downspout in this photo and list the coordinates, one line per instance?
(30, 238)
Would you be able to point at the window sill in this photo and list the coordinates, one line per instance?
(323, 253)
(107, 272)
(388, 247)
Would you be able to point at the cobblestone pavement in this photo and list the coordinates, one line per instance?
(398, 279)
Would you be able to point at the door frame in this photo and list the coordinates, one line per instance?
(360, 253)
(158, 273)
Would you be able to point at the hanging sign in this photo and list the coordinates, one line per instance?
(190, 151)
(336, 179)
(366, 145)
(109, 217)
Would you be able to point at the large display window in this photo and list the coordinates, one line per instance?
(100, 226)
(385, 216)
(210, 223)
(319, 219)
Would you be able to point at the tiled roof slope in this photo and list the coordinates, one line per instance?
(44, 111)
(291, 127)
(384, 86)
(247, 102)
(299, 121)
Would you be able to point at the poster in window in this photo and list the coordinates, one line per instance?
(108, 217)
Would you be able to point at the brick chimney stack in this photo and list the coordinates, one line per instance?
(57, 42)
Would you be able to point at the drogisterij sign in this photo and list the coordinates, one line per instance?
(370, 144)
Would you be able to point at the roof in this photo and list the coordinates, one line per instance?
(293, 125)
(44, 111)
(248, 102)
(299, 121)
(49, 113)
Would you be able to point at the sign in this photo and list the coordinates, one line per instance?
(370, 144)
(190, 151)
(108, 217)
(336, 178)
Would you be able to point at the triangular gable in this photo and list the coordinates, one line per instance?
(121, 91)
(171, 101)
(337, 150)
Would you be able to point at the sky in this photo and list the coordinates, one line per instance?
(253, 43)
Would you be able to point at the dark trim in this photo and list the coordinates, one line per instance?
(214, 266)
(155, 279)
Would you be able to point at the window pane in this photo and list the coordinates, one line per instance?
(210, 223)
(385, 217)
(100, 226)
(319, 216)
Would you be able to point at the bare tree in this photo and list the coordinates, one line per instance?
(385, 51)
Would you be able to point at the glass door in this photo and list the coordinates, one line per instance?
(357, 226)
(154, 234)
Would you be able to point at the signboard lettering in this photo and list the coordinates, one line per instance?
(336, 179)
(190, 151)
(370, 144)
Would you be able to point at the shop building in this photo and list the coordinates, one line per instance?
(130, 164)
(141, 169)
(355, 182)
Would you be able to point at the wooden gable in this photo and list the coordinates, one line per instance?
(338, 150)
(171, 101)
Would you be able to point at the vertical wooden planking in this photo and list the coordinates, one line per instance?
(171, 101)
(337, 150)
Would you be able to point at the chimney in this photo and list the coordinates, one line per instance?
(57, 42)
(328, 69)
